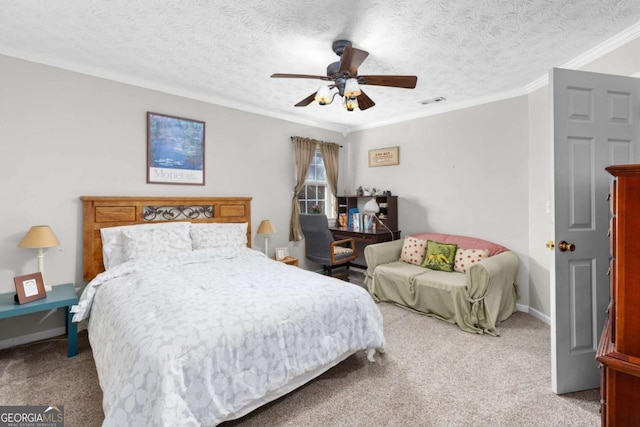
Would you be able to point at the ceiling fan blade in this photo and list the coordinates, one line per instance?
(407, 82)
(308, 100)
(299, 76)
(364, 101)
(351, 59)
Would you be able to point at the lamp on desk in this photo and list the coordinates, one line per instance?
(40, 237)
(266, 228)
(372, 208)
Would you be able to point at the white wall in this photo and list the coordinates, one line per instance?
(539, 189)
(64, 135)
(463, 172)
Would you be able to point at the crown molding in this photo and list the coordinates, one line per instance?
(436, 109)
(145, 84)
(609, 45)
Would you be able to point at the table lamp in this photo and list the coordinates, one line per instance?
(372, 208)
(266, 228)
(40, 237)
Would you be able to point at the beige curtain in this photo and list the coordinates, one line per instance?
(304, 150)
(330, 155)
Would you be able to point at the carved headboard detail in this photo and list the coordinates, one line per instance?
(99, 212)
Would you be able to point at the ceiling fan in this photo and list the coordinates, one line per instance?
(345, 78)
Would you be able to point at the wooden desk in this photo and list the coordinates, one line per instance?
(366, 237)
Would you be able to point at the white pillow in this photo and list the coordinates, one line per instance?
(113, 241)
(413, 250)
(219, 235)
(149, 242)
(465, 258)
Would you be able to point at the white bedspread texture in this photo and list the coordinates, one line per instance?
(192, 339)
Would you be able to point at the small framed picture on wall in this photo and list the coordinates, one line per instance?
(384, 157)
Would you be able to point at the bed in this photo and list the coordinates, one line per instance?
(195, 327)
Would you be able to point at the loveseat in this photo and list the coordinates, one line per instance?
(479, 292)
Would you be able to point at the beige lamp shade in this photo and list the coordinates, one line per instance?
(266, 227)
(39, 236)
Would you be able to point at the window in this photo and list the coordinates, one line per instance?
(315, 196)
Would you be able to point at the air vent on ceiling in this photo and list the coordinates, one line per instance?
(433, 100)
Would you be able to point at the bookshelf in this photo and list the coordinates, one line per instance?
(388, 207)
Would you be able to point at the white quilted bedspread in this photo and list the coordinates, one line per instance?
(195, 338)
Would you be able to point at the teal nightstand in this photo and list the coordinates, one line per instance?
(61, 296)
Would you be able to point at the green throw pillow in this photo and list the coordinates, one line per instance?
(439, 256)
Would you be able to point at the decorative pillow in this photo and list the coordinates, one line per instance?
(219, 235)
(113, 241)
(149, 242)
(413, 250)
(465, 258)
(439, 256)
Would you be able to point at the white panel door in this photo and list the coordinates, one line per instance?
(595, 123)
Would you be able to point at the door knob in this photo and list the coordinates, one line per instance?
(564, 246)
(550, 244)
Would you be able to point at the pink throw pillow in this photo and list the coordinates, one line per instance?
(413, 250)
(465, 258)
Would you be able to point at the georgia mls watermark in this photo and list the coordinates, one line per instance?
(32, 416)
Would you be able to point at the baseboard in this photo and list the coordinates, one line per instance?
(535, 313)
(37, 336)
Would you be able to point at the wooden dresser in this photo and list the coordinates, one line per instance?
(619, 348)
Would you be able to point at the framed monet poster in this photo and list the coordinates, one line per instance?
(175, 150)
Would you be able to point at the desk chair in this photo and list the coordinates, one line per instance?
(322, 249)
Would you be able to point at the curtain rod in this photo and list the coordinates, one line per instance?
(294, 137)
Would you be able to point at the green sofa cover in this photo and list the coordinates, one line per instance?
(476, 301)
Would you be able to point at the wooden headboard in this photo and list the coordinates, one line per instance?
(99, 212)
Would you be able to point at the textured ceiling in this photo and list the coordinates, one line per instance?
(464, 50)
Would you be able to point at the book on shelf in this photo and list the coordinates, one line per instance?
(342, 220)
(368, 223)
(356, 224)
(362, 222)
(352, 211)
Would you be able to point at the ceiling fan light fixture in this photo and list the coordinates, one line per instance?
(351, 88)
(323, 96)
(350, 103)
(344, 78)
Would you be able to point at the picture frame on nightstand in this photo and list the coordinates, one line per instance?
(282, 253)
(29, 287)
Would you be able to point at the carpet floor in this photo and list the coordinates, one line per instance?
(433, 374)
